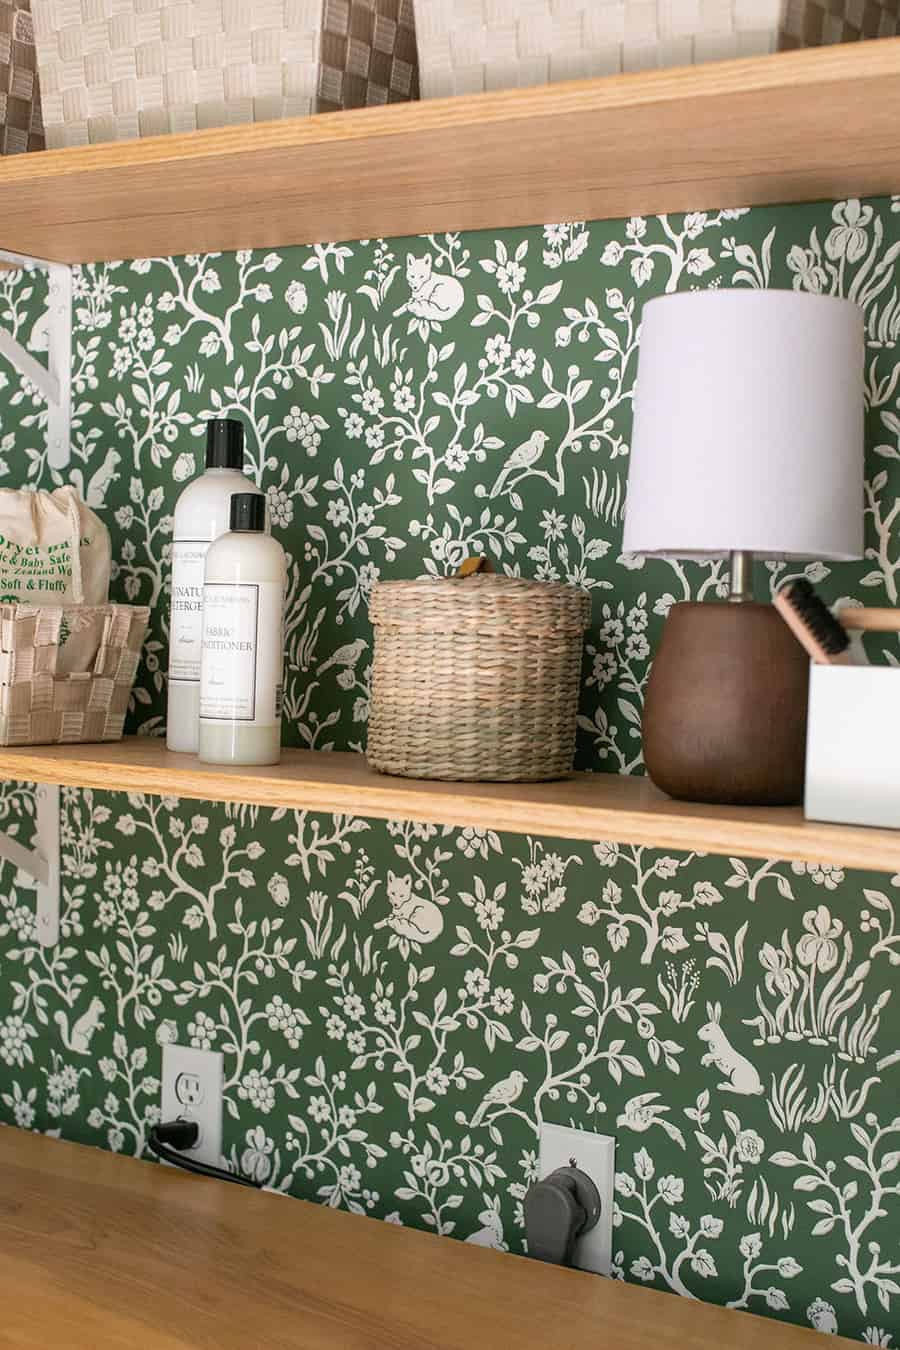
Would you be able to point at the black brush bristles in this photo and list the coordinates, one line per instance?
(818, 618)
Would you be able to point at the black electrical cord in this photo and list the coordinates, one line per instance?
(171, 1135)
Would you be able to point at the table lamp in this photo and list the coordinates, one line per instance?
(748, 439)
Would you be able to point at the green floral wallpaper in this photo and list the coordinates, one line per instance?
(730, 1021)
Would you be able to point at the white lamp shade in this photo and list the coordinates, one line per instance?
(748, 427)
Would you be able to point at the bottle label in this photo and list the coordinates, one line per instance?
(242, 652)
(188, 561)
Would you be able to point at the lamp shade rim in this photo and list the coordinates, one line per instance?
(764, 554)
(748, 295)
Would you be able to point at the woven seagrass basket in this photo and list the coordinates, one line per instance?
(66, 672)
(475, 678)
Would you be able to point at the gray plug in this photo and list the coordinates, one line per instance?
(558, 1210)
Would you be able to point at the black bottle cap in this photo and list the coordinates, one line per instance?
(224, 443)
(248, 511)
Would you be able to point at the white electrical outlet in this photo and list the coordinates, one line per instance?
(596, 1155)
(192, 1090)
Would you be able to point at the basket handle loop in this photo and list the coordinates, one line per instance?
(474, 566)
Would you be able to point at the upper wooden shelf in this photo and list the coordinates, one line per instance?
(588, 806)
(796, 126)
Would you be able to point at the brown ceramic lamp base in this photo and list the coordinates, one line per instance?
(725, 709)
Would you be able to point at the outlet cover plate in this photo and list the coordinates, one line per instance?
(596, 1155)
(205, 1066)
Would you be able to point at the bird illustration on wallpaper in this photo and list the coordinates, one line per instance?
(743, 1077)
(346, 657)
(643, 1112)
(522, 458)
(504, 1093)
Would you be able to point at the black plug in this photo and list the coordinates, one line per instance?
(181, 1134)
(167, 1138)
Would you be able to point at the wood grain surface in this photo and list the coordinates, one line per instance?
(106, 1253)
(795, 126)
(587, 806)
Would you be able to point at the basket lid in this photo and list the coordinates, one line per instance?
(481, 602)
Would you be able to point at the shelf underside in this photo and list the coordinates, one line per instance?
(590, 807)
(796, 126)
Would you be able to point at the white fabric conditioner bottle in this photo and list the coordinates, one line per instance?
(242, 654)
(202, 513)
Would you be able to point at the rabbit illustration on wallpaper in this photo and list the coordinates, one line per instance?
(743, 1077)
(78, 1041)
(39, 337)
(412, 916)
(491, 1235)
(432, 296)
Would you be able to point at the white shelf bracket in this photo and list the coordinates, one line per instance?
(52, 333)
(41, 862)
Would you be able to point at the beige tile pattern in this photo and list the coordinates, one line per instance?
(466, 46)
(114, 69)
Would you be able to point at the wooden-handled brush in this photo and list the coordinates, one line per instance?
(870, 620)
(813, 624)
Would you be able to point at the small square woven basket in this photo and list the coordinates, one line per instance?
(466, 46)
(39, 706)
(476, 678)
(20, 106)
(114, 69)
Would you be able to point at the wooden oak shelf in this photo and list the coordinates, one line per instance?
(796, 126)
(587, 806)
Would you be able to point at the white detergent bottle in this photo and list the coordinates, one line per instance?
(202, 513)
(242, 651)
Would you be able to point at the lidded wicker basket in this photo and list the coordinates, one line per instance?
(475, 677)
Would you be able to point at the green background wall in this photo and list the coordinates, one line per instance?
(384, 386)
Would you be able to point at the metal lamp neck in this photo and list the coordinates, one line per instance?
(741, 589)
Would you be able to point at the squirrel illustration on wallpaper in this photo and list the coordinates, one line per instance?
(433, 296)
(78, 1041)
(100, 481)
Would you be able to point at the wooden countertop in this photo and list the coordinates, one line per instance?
(106, 1253)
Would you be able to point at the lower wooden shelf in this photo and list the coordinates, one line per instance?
(586, 806)
(102, 1251)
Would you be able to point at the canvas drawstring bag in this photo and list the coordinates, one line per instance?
(53, 549)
